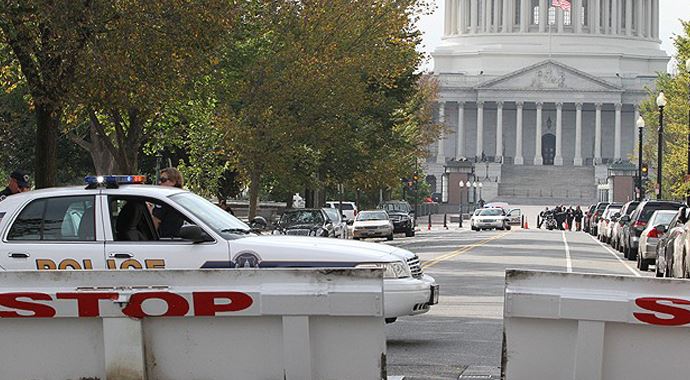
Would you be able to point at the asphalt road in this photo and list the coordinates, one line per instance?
(463, 332)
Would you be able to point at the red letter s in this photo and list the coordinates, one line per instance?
(9, 300)
(679, 315)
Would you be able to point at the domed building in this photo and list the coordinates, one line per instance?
(541, 101)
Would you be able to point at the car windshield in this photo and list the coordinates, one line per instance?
(663, 217)
(649, 209)
(631, 207)
(491, 212)
(290, 218)
(372, 215)
(220, 221)
(396, 206)
(346, 206)
(611, 212)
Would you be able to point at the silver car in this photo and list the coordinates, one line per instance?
(646, 249)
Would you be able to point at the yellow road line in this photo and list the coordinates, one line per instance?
(461, 251)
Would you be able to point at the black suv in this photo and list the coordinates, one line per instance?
(401, 214)
(638, 222)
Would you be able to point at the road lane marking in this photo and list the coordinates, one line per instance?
(568, 260)
(458, 252)
(631, 269)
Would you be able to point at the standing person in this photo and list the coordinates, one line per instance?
(560, 216)
(541, 216)
(578, 218)
(569, 216)
(17, 183)
(166, 219)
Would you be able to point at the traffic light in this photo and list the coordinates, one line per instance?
(645, 171)
(415, 177)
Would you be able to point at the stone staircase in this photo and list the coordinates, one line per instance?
(547, 185)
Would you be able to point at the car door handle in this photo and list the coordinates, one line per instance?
(19, 255)
(121, 255)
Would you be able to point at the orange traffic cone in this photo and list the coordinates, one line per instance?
(566, 226)
(526, 226)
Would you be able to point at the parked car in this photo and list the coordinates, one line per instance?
(339, 224)
(474, 215)
(490, 218)
(586, 218)
(594, 219)
(108, 226)
(604, 223)
(656, 227)
(514, 216)
(305, 222)
(349, 209)
(617, 233)
(372, 223)
(638, 222)
(401, 215)
(665, 246)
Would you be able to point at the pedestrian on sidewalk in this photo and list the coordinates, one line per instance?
(541, 216)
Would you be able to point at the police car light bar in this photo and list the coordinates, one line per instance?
(113, 180)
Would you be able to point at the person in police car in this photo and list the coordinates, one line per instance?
(18, 183)
(166, 219)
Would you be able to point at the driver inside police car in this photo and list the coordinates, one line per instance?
(166, 219)
(17, 183)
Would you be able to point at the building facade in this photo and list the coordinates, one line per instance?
(525, 85)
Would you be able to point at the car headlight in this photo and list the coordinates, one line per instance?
(277, 232)
(396, 269)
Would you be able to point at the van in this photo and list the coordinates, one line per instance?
(349, 209)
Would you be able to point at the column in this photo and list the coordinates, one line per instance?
(578, 135)
(518, 135)
(499, 131)
(441, 153)
(558, 160)
(576, 16)
(480, 129)
(446, 22)
(559, 19)
(614, 16)
(462, 14)
(506, 16)
(596, 11)
(496, 22)
(538, 159)
(597, 134)
(640, 18)
(473, 16)
(617, 134)
(636, 141)
(460, 145)
(486, 24)
(543, 15)
(628, 17)
(655, 19)
(524, 13)
(453, 16)
(648, 16)
(606, 17)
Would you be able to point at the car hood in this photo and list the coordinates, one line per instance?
(302, 248)
(485, 217)
(301, 226)
(371, 223)
(398, 213)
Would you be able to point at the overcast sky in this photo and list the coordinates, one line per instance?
(670, 11)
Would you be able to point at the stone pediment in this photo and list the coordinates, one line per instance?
(549, 75)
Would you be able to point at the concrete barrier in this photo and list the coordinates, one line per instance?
(595, 327)
(218, 324)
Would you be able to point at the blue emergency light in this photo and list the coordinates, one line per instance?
(111, 181)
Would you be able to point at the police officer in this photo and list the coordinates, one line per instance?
(18, 183)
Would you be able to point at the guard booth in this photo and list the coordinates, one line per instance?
(620, 183)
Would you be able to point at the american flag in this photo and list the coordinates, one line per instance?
(563, 4)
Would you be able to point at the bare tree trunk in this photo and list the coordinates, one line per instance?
(254, 178)
(47, 121)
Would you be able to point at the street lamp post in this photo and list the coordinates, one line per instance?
(462, 187)
(480, 192)
(468, 185)
(661, 103)
(640, 127)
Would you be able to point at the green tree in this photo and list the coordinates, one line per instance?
(675, 88)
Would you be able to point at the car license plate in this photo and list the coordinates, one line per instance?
(433, 299)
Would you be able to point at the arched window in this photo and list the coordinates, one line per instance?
(535, 15)
(552, 16)
(566, 18)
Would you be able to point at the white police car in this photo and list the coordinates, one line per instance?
(109, 225)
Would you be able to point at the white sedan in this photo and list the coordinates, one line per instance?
(108, 225)
(372, 223)
(489, 218)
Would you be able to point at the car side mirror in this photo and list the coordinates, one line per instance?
(350, 222)
(194, 234)
(683, 217)
(625, 219)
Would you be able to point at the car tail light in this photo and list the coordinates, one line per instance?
(640, 223)
(653, 233)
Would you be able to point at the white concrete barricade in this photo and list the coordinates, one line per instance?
(560, 326)
(295, 324)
